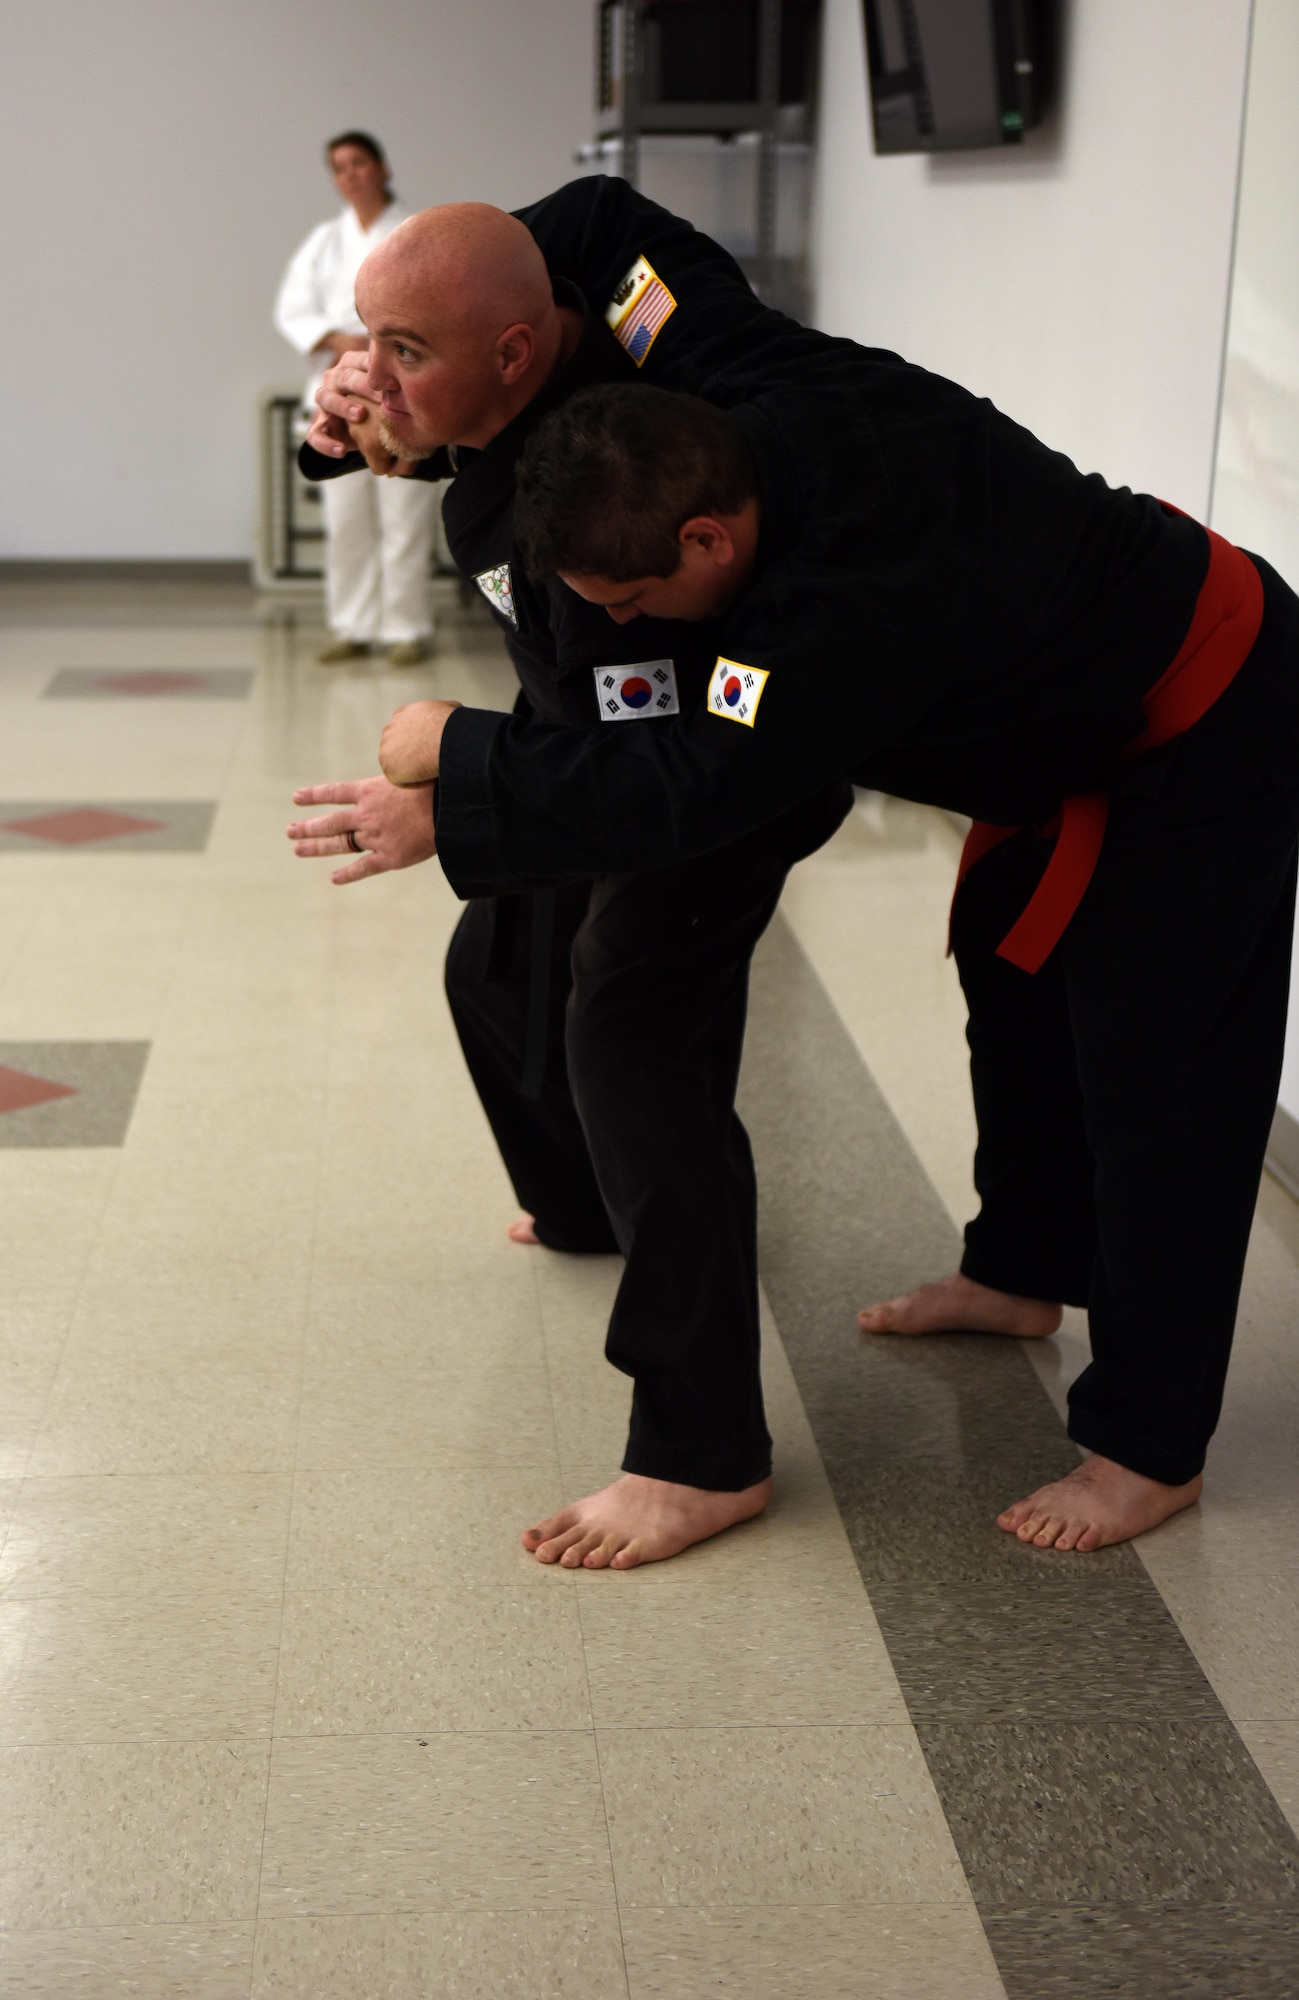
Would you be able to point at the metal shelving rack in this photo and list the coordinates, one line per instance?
(290, 557)
(293, 529)
(629, 108)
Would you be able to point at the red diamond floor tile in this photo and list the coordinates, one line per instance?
(81, 826)
(18, 1089)
(152, 681)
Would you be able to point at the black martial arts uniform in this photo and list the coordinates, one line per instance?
(603, 1023)
(946, 609)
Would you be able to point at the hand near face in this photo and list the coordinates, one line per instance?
(346, 410)
(393, 824)
(410, 748)
(342, 392)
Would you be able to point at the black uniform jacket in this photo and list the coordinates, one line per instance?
(944, 608)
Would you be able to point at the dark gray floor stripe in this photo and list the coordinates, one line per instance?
(1117, 1836)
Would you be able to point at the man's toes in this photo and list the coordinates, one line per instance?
(629, 1558)
(1049, 1533)
(550, 1552)
(1013, 1518)
(557, 1546)
(604, 1555)
(532, 1538)
(579, 1548)
(1090, 1538)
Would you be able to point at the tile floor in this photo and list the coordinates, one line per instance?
(284, 1711)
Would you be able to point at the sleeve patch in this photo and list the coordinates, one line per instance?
(498, 588)
(640, 306)
(735, 691)
(630, 693)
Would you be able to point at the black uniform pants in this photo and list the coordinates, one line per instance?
(1125, 1092)
(633, 1143)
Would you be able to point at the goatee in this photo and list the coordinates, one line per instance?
(397, 445)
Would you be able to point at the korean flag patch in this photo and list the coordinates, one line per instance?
(640, 306)
(498, 590)
(735, 691)
(633, 694)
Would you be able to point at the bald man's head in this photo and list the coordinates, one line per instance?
(476, 266)
(463, 323)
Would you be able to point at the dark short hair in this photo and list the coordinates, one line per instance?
(366, 145)
(363, 140)
(608, 479)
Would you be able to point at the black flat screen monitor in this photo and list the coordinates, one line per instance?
(947, 75)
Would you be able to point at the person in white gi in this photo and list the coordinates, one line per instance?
(379, 531)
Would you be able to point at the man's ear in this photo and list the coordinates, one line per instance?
(514, 352)
(707, 537)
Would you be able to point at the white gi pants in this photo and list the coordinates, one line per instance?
(380, 541)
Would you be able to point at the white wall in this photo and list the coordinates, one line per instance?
(1256, 490)
(164, 159)
(1081, 280)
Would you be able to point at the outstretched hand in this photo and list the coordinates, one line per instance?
(392, 823)
(410, 748)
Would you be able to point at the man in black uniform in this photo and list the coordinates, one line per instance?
(919, 594)
(603, 1023)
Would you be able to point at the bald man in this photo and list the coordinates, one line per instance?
(603, 1021)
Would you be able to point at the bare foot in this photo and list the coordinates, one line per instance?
(523, 1231)
(639, 1520)
(1099, 1503)
(956, 1304)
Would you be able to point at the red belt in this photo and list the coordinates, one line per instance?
(1228, 613)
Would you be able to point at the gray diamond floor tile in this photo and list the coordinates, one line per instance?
(97, 1084)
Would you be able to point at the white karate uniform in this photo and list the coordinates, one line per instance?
(380, 531)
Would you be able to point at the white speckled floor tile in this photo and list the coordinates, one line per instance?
(360, 1825)
(446, 1655)
(843, 1952)
(409, 1528)
(89, 1669)
(147, 1537)
(131, 1833)
(147, 1961)
(508, 1954)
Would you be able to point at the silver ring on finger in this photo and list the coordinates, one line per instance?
(353, 842)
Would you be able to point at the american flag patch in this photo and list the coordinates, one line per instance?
(639, 307)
